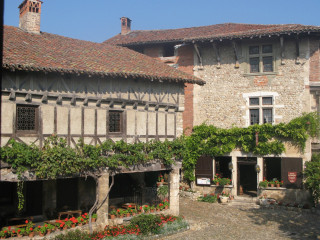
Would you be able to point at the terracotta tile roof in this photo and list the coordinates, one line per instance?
(212, 32)
(54, 53)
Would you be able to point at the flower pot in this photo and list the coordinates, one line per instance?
(277, 185)
(19, 235)
(271, 185)
(166, 207)
(93, 219)
(223, 199)
(128, 215)
(41, 234)
(112, 216)
(73, 225)
(133, 214)
(152, 210)
(49, 231)
(162, 180)
(31, 235)
(65, 227)
(217, 184)
(158, 210)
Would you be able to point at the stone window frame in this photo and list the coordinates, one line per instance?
(36, 119)
(261, 95)
(261, 107)
(275, 53)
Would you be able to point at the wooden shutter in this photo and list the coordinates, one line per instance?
(291, 165)
(204, 167)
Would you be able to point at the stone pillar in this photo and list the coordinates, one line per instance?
(260, 174)
(174, 191)
(102, 212)
(234, 176)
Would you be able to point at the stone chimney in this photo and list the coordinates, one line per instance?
(125, 25)
(30, 11)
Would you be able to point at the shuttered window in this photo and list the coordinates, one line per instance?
(204, 167)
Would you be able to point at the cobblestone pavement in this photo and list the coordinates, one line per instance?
(245, 222)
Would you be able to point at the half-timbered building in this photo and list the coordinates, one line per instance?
(83, 90)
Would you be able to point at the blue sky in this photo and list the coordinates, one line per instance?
(98, 20)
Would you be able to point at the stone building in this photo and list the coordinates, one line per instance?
(78, 89)
(254, 74)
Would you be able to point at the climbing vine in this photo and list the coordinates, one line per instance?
(258, 139)
(56, 158)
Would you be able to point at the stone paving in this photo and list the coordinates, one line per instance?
(245, 221)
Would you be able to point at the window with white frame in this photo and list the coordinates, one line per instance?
(261, 58)
(261, 110)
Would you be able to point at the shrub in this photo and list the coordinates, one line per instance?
(224, 181)
(73, 235)
(208, 198)
(147, 223)
(312, 173)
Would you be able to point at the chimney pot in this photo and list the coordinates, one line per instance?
(30, 12)
(125, 25)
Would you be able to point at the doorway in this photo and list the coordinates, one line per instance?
(247, 177)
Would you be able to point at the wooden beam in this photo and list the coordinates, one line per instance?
(282, 49)
(235, 50)
(217, 51)
(196, 48)
(297, 50)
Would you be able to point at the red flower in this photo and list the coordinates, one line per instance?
(27, 221)
(39, 226)
(9, 228)
(5, 231)
(129, 206)
(61, 225)
(66, 219)
(31, 229)
(19, 230)
(86, 214)
(13, 231)
(46, 225)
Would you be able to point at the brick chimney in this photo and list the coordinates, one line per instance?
(30, 11)
(125, 25)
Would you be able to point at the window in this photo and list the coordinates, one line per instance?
(222, 166)
(288, 170)
(115, 121)
(261, 58)
(168, 51)
(27, 118)
(260, 110)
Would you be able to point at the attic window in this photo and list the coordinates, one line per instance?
(168, 51)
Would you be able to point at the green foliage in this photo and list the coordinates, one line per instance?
(56, 158)
(208, 198)
(147, 223)
(212, 141)
(312, 175)
(74, 235)
(163, 190)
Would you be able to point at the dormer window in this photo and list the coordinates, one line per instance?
(261, 58)
(168, 51)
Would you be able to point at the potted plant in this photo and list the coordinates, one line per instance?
(264, 183)
(21, 232)
(133, 211)
(216, 179)
(224, 181)
(166, 203)
(271, 183)
(29, 229)
(224, 197)
(146, 208)
(152, 209)
(50, 228)
(94, 217)
(160, 178)
(80, 220)
(3, 233)
(67, 224)
(113, 213)
(42, 230)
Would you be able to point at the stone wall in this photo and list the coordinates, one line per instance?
(223, 100)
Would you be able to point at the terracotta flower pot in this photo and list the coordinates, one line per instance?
(31, 235)
(271, 185)
(49, 231)
(112, 216)
(277, 185)
(217, 184)
(93, 219)
(41, 234)
(166, 207)
(152, 210)
(73, 225)
(65, 227)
